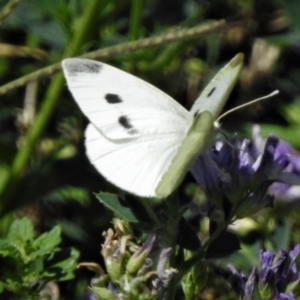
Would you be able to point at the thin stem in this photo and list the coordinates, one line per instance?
(151, 213)
(185, 266)
(9, 183)
(103, 54)
(135, 18)
(7, 9)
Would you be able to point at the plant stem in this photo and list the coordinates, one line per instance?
(185, 266)
(7, 9)
(135, 19)
(151, 213)
(170, 37)
(10, 181)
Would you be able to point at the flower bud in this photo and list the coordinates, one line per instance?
(138, 259)
(265, 291)
(103, 293)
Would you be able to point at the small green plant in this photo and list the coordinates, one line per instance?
(29, 263)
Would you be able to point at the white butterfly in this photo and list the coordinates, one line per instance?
(139, 138)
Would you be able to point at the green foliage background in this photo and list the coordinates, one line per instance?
(51, 180)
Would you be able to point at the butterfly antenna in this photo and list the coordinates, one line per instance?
(247, 104)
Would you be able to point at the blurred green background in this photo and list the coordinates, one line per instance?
(54, 182)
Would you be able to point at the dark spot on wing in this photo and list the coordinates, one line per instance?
(196, 113)
(113, 98)
(125, 122)
(211, 91)
(84, 66)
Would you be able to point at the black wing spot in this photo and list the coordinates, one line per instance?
(211, 91)
(196, 113)
(125, 122)
(113, 98)
(84, 66)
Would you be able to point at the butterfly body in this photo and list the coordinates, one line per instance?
(139, 138)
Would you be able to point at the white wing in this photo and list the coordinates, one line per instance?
(137, 132)
(201, 121)
(216, 93)
(135, 165)
(136, 129)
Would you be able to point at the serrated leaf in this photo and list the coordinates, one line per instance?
(112, 202)
(62, 265)
(6, 249)
(21, 229)
(46, 242)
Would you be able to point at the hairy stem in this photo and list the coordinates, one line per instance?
(103, 54)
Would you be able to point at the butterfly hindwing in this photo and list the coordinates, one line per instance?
(127, 165)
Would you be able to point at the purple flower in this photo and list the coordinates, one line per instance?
(282, 191)
(236, 176)
(241, 284)
(276, 278)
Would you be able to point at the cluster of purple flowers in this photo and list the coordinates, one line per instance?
(276, 278)
(289, 191)
(241, 178)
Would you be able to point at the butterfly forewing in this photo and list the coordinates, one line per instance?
(216, 93)
(119, 104)
(136, 129)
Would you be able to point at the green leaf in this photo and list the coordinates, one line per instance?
(281, 237)
(62, 265)
(72, 230)
(36, 267)
(112, 202)
(103, 293)
(21, 229)
(6, 249)
(46, 242)
(70, 193)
